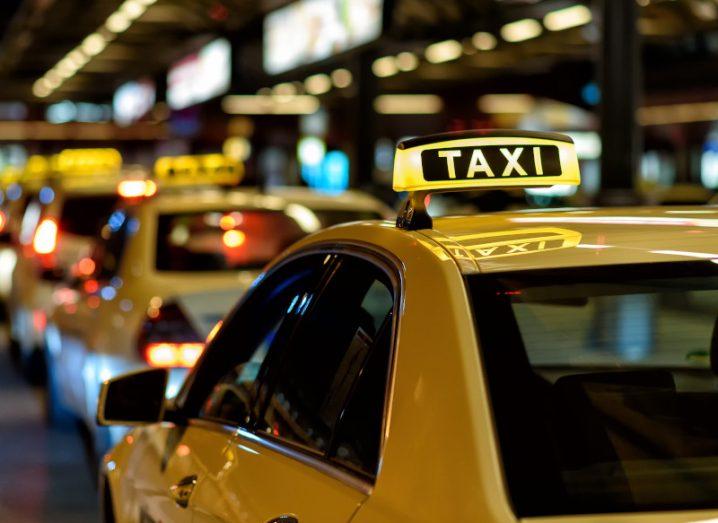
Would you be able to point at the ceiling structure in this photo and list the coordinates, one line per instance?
(36, 34)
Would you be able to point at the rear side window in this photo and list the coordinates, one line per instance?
(328, 390)
(85, 215)
(222, 240)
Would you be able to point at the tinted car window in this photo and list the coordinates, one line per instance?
(320, 368)
(357, 440)
(115, 233)
(85, 215)
(239, 351)
(603, 382)
(222, 240)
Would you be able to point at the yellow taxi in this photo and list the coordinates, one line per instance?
(66, 200)
(533, 366)
(173, 258)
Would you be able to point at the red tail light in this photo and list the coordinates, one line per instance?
(168, 339)
(3, 221)
(165, 354)
(45, 239)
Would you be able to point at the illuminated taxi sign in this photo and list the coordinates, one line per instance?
(9, 175)
(203, 169)
(70, 162)
(36, 172)
(485, 159)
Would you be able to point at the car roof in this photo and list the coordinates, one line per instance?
(546, 239)
(349, 199)
(190, 198)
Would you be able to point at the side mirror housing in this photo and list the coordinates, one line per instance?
(137, 398)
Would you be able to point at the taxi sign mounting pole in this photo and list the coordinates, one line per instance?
(413, 214)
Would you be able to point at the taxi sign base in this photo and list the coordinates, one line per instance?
(413, 214)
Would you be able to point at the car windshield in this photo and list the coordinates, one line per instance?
(222, 240)
(603, 383)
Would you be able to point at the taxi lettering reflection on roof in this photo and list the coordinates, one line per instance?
(512, 242)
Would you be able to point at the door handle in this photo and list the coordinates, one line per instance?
(182, 490)
(284, 518)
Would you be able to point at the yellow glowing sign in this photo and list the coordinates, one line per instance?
(9, 175)
(86, 162)
(36, 172)
(203, 169)
(485, 159)
(513, 242)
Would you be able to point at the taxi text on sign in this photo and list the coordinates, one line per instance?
(536, 159)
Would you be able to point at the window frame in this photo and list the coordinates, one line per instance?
(392, 267)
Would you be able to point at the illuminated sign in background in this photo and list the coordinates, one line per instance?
(311, 30)
(133, 100)
(200, 76)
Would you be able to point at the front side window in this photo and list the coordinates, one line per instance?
(327, 393)
(604, 383)
(237, 356)
(222, 240)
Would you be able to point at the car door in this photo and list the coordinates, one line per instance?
(315, 408)
(171, 464)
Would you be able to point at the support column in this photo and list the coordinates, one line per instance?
(620, 91)
(366, 121)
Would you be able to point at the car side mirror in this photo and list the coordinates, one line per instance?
(137, 398)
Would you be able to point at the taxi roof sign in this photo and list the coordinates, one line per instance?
(485, 159)
(479, 159)
(201, 169)
(71, 162)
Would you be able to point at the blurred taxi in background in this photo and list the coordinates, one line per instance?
(19, 186)
(9, 211)
(522, 366)
(63, 214)
(167, 269)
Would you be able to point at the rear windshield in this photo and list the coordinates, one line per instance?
(604, 385)
(85, 215)
(222, 240)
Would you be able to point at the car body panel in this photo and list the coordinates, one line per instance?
(515, 241)
(424, 413)
(440, 459)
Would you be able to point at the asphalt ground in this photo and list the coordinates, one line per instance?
(45, 474)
